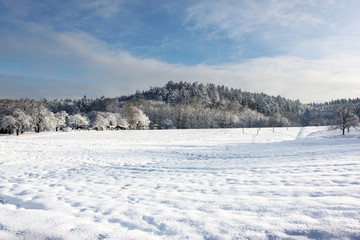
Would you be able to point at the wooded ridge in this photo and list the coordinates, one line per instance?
(176, 105)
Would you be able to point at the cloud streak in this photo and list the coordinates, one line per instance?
(236, 18)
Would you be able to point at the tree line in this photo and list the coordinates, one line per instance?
(176, 105)
(17, 116)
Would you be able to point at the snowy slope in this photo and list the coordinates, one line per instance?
(296, 183)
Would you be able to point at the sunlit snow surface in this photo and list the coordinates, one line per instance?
(296, 183)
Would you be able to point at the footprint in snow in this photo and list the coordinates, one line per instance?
(162, 228)
(132, 200)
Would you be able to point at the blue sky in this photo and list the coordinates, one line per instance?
(306, 49)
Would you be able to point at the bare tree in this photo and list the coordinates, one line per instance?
(344, 119)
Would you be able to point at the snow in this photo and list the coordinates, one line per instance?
(295, 183)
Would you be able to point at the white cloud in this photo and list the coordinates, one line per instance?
(98, 70)
(307, 80)
(301, 28)
(103, 8)
(236, 18)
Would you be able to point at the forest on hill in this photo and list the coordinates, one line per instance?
(176, 105)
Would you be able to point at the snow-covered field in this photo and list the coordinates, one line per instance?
(296, 183)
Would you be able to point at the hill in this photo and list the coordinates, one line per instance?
(176, 105)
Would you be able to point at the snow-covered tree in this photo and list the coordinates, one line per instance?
(278, 121)
(120, 121)
(111, 119)
(22, 120)
(61, 118)
(8, 123)
(99, 123)
(43, 119)
(135, 117)
(106, 120)
(228, 119)
(251, 118)
(167, 123)
(78, 121)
